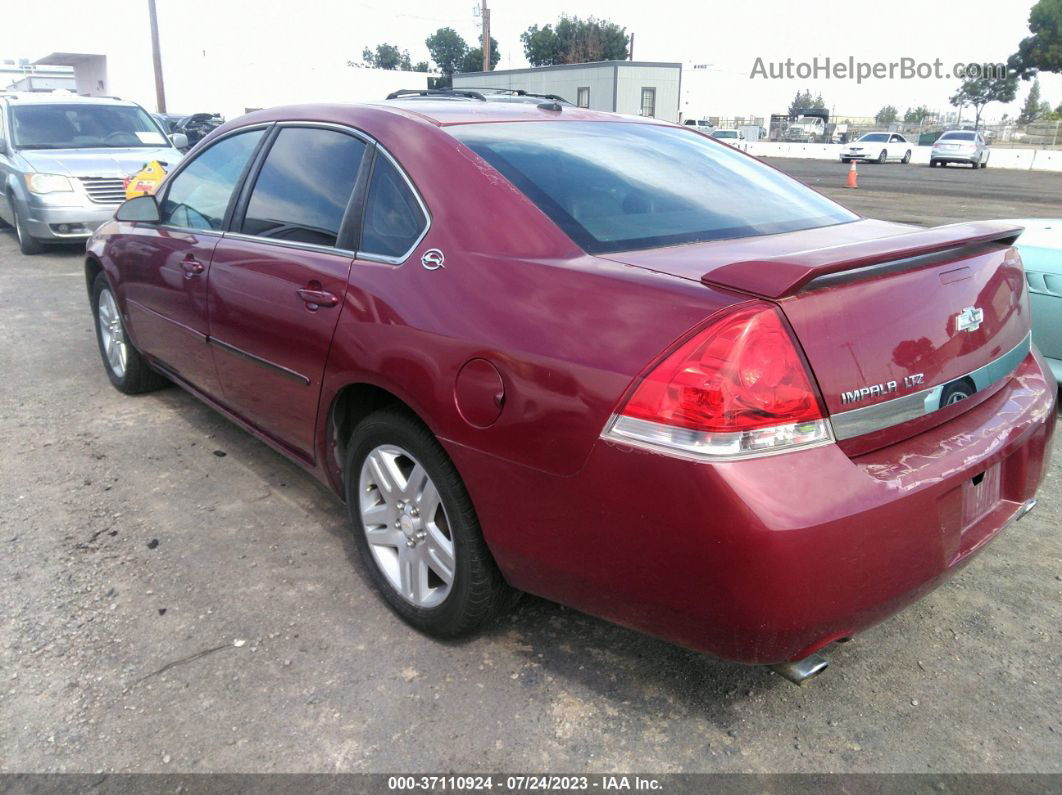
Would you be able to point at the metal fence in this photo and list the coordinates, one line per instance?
(842, 128)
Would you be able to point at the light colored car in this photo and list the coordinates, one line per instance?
(736, 138)
(64, 159)
(703, 125)
(960, 146)
(878, 147)
(1040, 246)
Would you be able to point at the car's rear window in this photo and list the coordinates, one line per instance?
(619, 186)
(957, 136)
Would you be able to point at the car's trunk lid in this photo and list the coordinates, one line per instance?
(898, 323)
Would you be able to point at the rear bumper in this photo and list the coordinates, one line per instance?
(768, 559)
(953, 157)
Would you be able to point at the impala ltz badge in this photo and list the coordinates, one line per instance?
(883, 389)
(969, 319)
(433, 259)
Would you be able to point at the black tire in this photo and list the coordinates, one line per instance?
(846, 160)
(933, 163)
(138, 376)
(27, 244)
(478, 593)
(883, 156)
(907, 157)
(984, 163)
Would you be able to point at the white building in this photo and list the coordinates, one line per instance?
(639, 88)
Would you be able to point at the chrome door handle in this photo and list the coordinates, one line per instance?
(315, 298)
(192, 267)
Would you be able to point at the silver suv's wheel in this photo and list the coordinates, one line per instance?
(405, 526)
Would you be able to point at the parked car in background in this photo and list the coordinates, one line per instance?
(603, 359)
(700, 124)
(1041, 251)
(195, 126)
(878, 147)
(735, 138)
(64, 160)
(960, 146)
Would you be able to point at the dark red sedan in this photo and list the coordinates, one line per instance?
(605, 360)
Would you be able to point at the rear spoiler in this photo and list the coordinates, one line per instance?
(775, 277)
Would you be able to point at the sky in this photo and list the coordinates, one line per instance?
(728, 38)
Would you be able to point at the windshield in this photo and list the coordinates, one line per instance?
(724, 134)
(77, 126)
(875, 137)
(618, 186)
(957, 136)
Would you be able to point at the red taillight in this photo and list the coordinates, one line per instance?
(736, 387)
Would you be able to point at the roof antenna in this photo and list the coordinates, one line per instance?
(554, 106)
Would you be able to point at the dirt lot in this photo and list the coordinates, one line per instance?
(176, 597)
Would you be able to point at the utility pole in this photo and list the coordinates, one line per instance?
(630, 51)
(485, 14)
(156, 57)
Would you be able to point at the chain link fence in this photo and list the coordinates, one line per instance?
(841, 128)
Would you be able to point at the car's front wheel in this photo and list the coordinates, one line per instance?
(125, 367)
(907, 157)
(883, 156)
(27, 244)
(416, 530)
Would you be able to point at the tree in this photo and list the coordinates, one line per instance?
(447, 49)
(887, 115)
(386, 56)
(574, 40)
(804, 101)
(1043, 49)
(979, 91)
(473, 60)
(1031, 108)
(915, 115)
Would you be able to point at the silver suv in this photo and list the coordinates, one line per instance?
(64, 160)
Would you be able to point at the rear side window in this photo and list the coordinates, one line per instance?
(619, 186)
(198, 196)
(394, 220)
(304, 186)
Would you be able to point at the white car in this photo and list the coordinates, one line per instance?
(702, 125)
(878, 147)
(735, 138)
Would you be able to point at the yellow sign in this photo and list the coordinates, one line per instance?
(146, 181)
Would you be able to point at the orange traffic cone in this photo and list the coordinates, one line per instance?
(853, 180)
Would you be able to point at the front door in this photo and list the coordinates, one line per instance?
(165, 267)
(278, 281)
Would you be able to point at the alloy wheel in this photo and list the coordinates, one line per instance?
(406, 526)
(112, 334)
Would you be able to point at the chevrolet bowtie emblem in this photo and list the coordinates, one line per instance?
(969, 319)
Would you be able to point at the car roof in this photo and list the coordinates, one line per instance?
(49, 98)
(444, 112)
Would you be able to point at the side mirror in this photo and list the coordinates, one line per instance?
(143, 209)
(179, 140)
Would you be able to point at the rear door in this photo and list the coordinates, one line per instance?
(164, 268)
(279, 277)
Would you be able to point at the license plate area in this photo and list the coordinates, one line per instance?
(980, 494)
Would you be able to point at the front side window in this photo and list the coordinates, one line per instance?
(619, 186)
(77, 126)
(199, 195)
(394, 220)
(583, 98)
(648, 102)
(302, 191)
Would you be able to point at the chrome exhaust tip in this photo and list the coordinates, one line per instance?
(802, 670)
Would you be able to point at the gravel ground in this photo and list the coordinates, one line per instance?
(176, 597)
